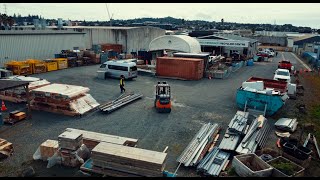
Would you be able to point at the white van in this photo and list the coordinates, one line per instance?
(117, 68)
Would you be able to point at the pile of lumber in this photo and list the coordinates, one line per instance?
(64, 99)
(18, 95)
(124, 99)
(129, 161)
(6, 148)
(69, 145)
(204, 140)
(92, 139)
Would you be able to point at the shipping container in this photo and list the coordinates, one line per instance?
(180, 68)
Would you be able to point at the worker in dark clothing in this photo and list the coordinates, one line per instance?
(276, 54)
(122, 84)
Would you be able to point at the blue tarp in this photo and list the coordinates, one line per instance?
(310, 57)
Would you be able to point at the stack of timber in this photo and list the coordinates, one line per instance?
(199, 145)
(18, 95)
(64, 99)
(236, 129)
(129, 161)
(119, 102)
(256, 136)
(48, 148)
(214, 162)
(92, 139)
(69, 144)
(6, 148)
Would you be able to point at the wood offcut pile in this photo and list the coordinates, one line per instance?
(129, 161)
(64, 99)
(6, 148)
(92, 139)
(18, 95)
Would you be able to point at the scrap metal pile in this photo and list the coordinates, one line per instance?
(214, 162)
(19, 94)
(236, 129)
(199, 145)
(62, 98)
(124, 99)
(255, 137)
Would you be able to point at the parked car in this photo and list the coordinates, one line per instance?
(262, 54)
(285, 64)
(282, 75)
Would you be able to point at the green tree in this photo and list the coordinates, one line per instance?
(318, 31)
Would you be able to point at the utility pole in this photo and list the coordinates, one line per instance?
(109, 14)
(5, 9)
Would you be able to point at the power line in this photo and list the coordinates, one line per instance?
(5, 9)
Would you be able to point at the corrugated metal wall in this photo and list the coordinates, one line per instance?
(21, 47)
(140, 38)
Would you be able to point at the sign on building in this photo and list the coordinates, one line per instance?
(223, 43)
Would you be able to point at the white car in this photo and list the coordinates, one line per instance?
(282, 75)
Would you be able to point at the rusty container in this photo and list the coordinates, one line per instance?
(180, 68)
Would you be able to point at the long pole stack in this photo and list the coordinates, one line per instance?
(199, 145)
(119, 102)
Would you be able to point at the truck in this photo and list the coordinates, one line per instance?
(265, 96)
(285, 64)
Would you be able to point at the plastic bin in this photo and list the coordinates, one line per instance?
(289, 148)
(19, 67)
(52, 66)
(302, 153)
(37, 66)
(62, 62)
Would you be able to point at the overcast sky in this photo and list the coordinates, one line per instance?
(282, 13)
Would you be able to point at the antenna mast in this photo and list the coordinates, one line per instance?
(109, 15)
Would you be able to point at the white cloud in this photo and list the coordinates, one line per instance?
(296, 14)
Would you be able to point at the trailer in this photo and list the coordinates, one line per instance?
(266, 96)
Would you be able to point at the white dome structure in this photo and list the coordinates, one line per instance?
(181, 43)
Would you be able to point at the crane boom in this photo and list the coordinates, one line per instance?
(109, 14)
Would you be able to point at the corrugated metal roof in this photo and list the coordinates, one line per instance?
(37, 32)
(307, 40)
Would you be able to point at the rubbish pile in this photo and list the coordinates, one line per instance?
(18, 95)
(199, 145)
(129, 161)
(236, 129)
(255, 137)
(214, 162)
(64, 99)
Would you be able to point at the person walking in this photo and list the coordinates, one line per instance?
(122, 84)
(276, 53)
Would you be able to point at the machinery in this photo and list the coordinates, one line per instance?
(162, 102)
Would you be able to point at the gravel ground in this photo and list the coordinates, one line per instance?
(194, 103)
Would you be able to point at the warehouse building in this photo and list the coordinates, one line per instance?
(52, 40)
(306, 44)
(26, 44)
(226, 44)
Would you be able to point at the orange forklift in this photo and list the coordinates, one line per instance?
(162, 102)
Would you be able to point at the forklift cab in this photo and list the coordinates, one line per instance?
(163, 96)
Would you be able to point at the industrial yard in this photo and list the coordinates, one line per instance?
(193, 104)
(146, 98)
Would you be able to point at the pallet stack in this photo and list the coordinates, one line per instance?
(69, 145)
(48, 148)
(63, 99)
(113, 159)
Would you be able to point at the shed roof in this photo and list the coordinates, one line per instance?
(181, 43)
(308, 40)
(6, 84)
